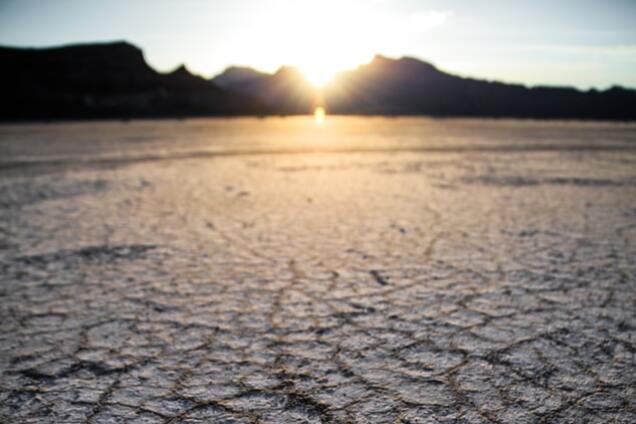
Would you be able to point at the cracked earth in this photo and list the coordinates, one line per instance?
(379, 271)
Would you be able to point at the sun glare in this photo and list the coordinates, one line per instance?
(319, 115)
(320, 38)
(318, 76)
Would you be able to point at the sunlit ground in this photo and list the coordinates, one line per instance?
(276, 270)
(319, 115)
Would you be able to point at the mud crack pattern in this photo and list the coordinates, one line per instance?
(321, 288)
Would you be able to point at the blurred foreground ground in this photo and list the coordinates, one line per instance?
(366, 270)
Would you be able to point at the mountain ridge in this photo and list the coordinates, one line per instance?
(113, 80)
(410, 86)
(106, 80)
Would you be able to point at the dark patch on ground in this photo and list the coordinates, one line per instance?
(24, 193)
(89, 254)
(521, 181)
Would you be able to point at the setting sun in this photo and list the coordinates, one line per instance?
(318, 77)
(324, 39)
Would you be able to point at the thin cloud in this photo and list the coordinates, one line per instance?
(628, 50)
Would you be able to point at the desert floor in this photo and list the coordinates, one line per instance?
(368, 270)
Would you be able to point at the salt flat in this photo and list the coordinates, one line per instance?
(368, 270)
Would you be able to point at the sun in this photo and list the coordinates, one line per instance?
(320, 69)
(318, 75)
(319, 38)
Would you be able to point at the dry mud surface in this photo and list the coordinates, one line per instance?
(272, 271)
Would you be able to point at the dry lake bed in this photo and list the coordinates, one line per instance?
(366, 270)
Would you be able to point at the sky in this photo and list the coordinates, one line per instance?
(583, 43)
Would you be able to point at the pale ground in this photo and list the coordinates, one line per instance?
(366, 271)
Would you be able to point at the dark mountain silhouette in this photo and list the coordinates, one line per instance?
(236, 75)
(287, 91)
(409, 86)
(112, 80)
(103, 81)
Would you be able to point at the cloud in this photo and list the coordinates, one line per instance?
(618, 50)
(428, 19)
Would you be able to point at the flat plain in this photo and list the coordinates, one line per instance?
(366, 270)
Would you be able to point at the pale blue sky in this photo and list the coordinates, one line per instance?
(583, 43)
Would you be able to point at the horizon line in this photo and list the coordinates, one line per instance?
(211, 76)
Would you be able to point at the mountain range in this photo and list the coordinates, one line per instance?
(109, 80)
(112, 80)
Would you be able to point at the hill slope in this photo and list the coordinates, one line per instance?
(409, 86)
(285, 92)
(112, 80)
(105, 80)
